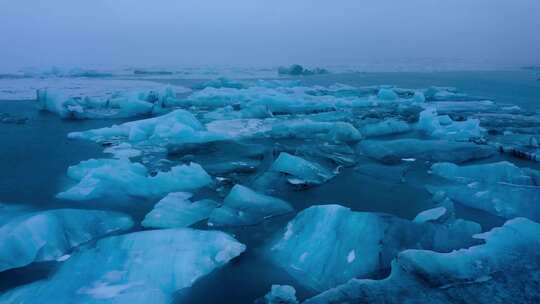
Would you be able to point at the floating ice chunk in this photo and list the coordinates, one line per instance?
(387, 94)
(244, 206)
(501, 199)
(140, 267)
(161, 127)
(36, 236)
(112, 177)
(386, 127)
(487, 173)
(301, 169)
(118, 105)
(430, 215)
(393, 151)
(279, 294)
(348, 243)
(177, 210)
(442, 127)
(503, 270)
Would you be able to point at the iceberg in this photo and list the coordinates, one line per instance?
(279, 294)
(117, 177)
(502, 270)
(243, 206)
(141, 267)
(393, 151)
(36, 236)
(357, 244)
(176, 210)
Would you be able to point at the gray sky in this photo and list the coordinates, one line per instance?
(273, 32)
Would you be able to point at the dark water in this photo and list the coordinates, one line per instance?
(34, 157)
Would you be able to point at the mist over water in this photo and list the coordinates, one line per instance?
(168, 33)
(251, 151)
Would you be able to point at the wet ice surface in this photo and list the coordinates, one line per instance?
(317, 140)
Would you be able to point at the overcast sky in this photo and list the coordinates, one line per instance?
(272, 32)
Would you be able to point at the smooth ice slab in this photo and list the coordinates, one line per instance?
(141, 267)
(393, 151)
(500, 199)
(177, 210)
(117, 177)
(503, 270)
(324, 246)
(504, 171)
(501, 188)
(244, 206)
(301, 170)
(36, 236)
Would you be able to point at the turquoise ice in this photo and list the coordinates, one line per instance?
(357, 244)
(141, 267)
(28, 236)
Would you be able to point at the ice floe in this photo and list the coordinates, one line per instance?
(243, 206)
(118, 177)
(177, 210)
(357, 244)
(503, 270)
(28, 236)
(140, 267)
